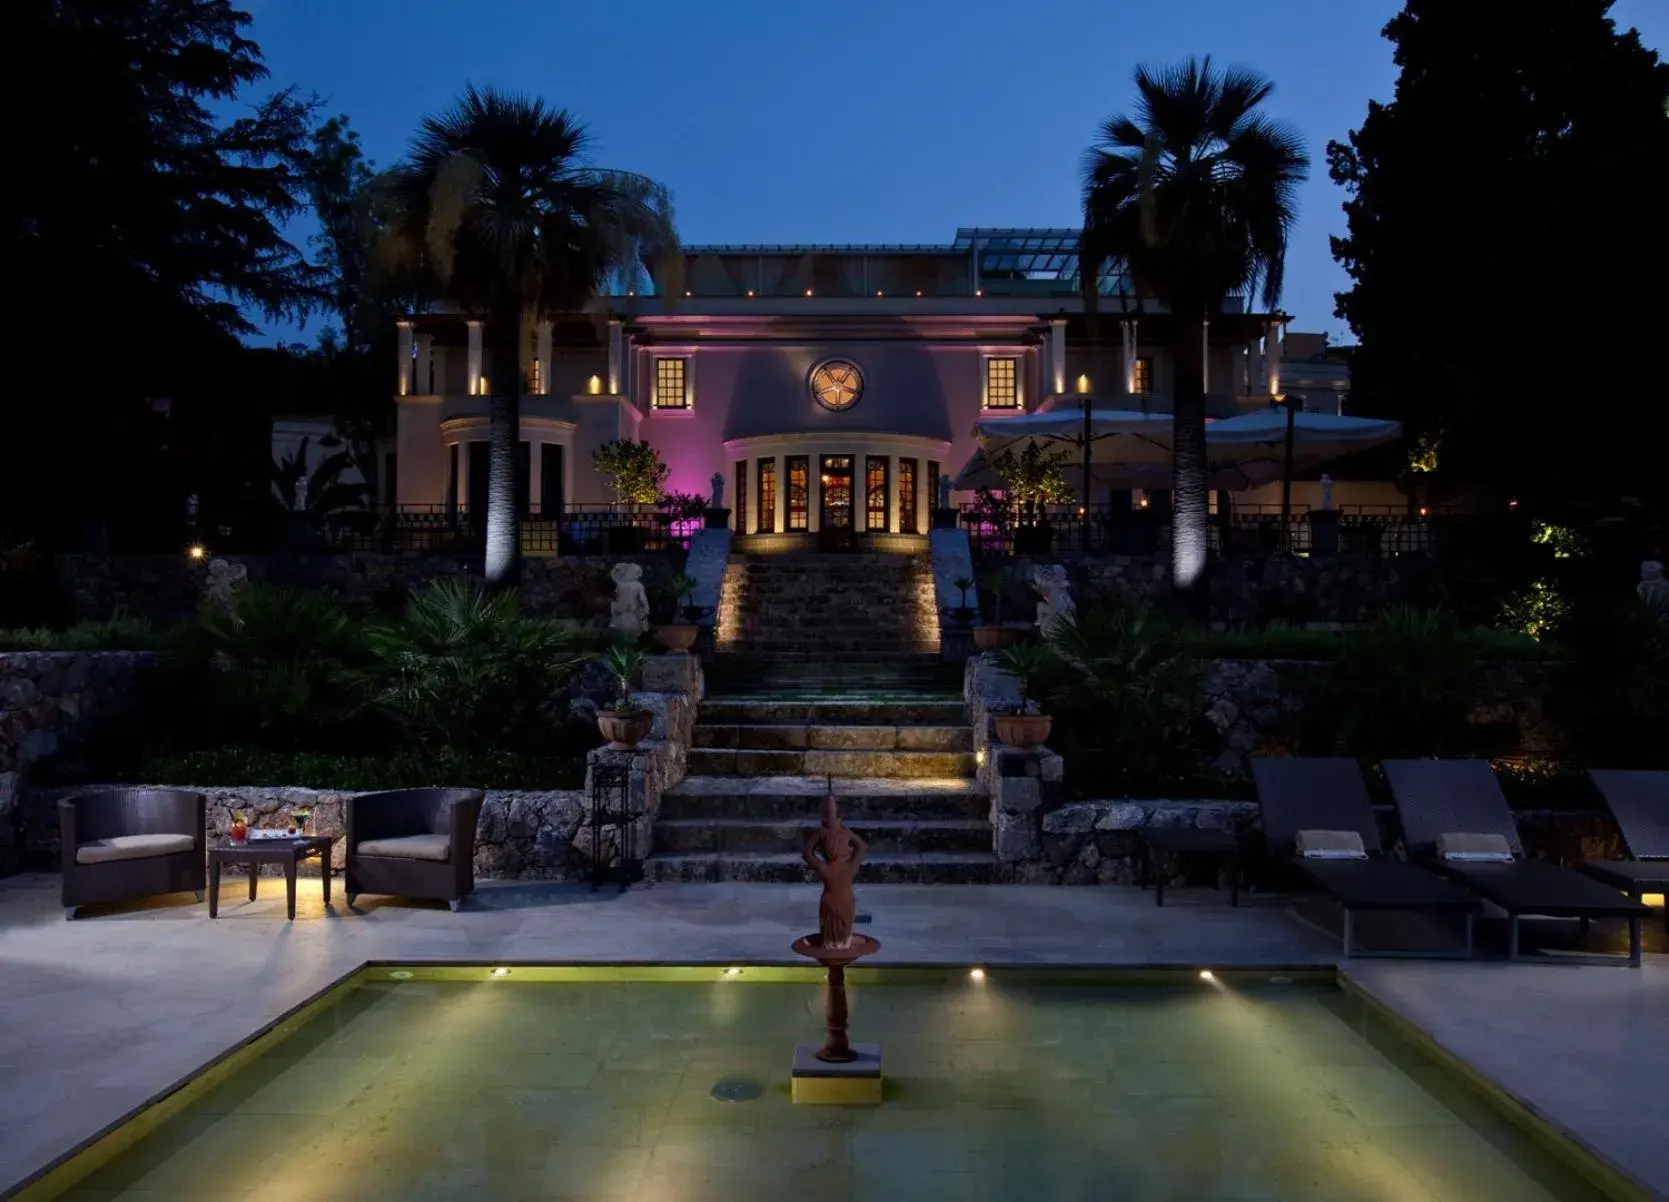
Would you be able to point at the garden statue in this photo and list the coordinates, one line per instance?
(1653, 588)
(842, 851)
(301, 493)
(718, 490)
(1326, 491)
(629, 612)
(944, 492)
(1051, 582)
(224, 579)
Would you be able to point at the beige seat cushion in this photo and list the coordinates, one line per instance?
(1464, 847)
(410, 847)
(1331, 845)
(131, 847)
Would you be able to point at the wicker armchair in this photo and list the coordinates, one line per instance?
(125, 844)
(413, 843)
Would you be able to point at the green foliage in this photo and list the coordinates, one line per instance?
(1406, 686)
(683, 506)
(406, 767)
(634, 470)
(1280, 641)
(995, 584)
(1535, 610)
(1027, 662)
(1129, 699)
(1613, 694)
(464, 668)
(1034, 476)
(328, 494)
(118, 633)
(625, 663)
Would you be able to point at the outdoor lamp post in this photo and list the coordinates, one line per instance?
(1292, 402)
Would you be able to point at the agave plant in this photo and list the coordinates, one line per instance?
(682, 588)
(1026, 662)
(625, 663)
(995, 582)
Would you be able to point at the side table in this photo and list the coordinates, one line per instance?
(255, 852)
(1165, 843)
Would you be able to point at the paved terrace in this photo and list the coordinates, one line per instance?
(102, 1014)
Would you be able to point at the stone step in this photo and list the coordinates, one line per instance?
(802, 736)
(780, 835)
(759, 761)
(720, 711)
(882, 868)
(779, 798)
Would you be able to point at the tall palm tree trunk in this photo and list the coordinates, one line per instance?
(504, 517)
(1189, 508)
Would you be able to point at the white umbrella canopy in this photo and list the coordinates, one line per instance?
(1251, 447)
(1116, 437)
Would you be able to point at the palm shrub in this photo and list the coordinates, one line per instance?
(625, 663)
(1406, 686)
(464, 668)
(1029, 663)
(1128, 700)
(273, 671)
(1612, 694)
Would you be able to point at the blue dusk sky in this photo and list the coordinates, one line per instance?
(857, 121)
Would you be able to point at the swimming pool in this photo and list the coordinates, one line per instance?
(550, 1083)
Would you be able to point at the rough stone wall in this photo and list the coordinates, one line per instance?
(51, 702)
(165, 588)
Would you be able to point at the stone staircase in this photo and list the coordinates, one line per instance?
(876, 607)
(759, 766)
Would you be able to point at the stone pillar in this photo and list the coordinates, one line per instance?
(614, 357)
(1057, 360)
(1127, 330)
(425, 383)
(542, 350)
(402, 355)
(474, 371)
(1272, 357)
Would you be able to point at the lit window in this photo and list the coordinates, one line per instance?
(1002, 383)
(1144, 375)
(670, 390)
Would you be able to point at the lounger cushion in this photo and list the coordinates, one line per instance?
(1330, 845)
(410, 847)
(1475, 848)
(131, 847)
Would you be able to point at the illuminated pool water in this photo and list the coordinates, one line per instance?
(1020, 1086)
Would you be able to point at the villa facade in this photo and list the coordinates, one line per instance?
(830, 386)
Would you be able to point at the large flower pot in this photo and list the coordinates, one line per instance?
(991, 638)
(1023, 730)
(624, 731)
(676, 638)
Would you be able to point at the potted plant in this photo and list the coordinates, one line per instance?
(990, 638)
(681, 635)
(1024, 661)
(964, 614)
(626, 724)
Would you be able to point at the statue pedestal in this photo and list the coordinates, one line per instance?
(855, 1082)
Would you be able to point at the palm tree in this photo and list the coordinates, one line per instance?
(1196, 194)
(497, 211)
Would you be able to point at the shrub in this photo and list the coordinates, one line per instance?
(1613, 692)
(464, 668)
(118, 633)
(1406, 686)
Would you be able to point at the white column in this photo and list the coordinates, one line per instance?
(1272, 357)
(1127, 330)
(614, 347)
(780, 522)
(1205, 355)
(474, 369)
(403, 355)
(895, 519)
(542, 349)
(1057, 359)
(814, 491)
(425, 382)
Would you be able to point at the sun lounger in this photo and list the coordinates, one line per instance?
(1435, 798)
(1639, 801)
(1327, 795)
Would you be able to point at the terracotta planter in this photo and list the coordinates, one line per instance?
(676, 638)
(624, 731)
(991, 638)
(1023, 730)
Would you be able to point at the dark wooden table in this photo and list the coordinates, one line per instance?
(255, 852)
(1165, 843)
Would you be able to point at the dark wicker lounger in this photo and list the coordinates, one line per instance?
(1327, 794)
(1438, 797)
(1639, 802)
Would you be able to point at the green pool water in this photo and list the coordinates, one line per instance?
(1017, 1087)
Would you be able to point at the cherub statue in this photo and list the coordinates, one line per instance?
(842, 852)
(1051, 582)
(629, 612)
(224, 579)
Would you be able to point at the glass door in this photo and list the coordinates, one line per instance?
(835, 475)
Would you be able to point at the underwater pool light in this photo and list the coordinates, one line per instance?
(976, 974)
(1207, 975)
(732, 972)
(499, 972)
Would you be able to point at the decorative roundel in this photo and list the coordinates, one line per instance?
(836, 384)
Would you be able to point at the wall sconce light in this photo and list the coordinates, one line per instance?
(808, 291)
(750, 291)
(686, 292)
(1083, 385)
(878, 292)
(918, 292)
(979, 292)
(594, 386)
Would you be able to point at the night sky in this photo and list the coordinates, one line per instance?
(863, 121)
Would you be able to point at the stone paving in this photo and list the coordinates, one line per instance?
(104, 1013)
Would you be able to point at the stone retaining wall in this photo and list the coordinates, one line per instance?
(165, 588)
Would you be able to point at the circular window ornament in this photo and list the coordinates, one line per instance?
(836, 384)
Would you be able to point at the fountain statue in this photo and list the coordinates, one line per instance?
(839, 1071)
(629, 612)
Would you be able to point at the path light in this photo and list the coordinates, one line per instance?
(979, 757)
(976, 974)
(196, 551)
(1207, 975)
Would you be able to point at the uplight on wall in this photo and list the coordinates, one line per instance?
(594, 386)
(1083, 385)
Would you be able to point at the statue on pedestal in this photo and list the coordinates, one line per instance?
(1653, 588)
(629, 612)
(224, 579)
(842, 852)
(718, 490)
(944, 492)
(1050, 580)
